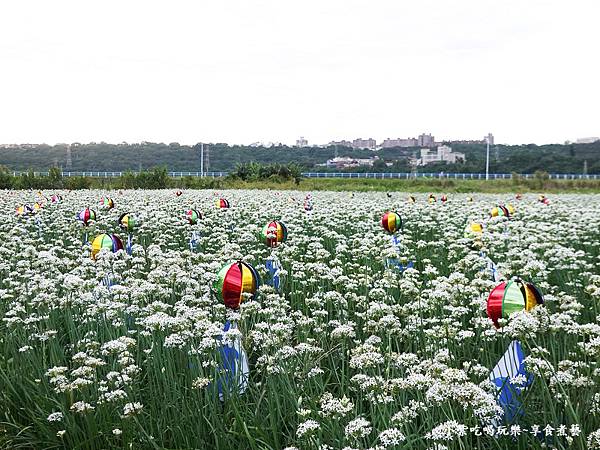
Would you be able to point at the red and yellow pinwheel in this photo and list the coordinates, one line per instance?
(391, 222)
(274, 233)
(222, 203)
(512, 296)
(235, 280)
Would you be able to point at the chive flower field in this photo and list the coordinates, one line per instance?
(354, 335)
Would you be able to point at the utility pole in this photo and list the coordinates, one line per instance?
(413, 166)
(201, 160)
(487, 159)
(207, 162)
(69, 160)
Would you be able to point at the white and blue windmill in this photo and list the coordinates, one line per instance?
(273, 266)
(233, 365)
(510, 378)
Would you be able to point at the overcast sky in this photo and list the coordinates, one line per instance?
(240, 71)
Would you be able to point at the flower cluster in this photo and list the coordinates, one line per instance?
(366, 341)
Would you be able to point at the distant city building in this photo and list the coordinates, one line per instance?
(471, 141)
(21, 145)
(301, 142)
(444, 154)
(267, 145)
(426, 140)
(341, 143)
(485, 139)
(391, 143)
(588, 140)
(364, 143)
(347, 162)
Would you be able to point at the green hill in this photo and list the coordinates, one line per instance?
(121, 157)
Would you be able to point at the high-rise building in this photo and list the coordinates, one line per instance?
(426, 140)
(444, 154)
(390, 143)
(301, 142)
(364, 143)
(587, 140)
(342, 143)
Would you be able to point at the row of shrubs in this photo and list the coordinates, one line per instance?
(283, 176)
(253, 171)
(157, 178)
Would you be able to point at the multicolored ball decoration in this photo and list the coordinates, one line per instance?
(274, 233)
(308, 205)
(107, 203)
(25, 210)
(474, 228)
(126, 222)
(411, 199)
(178, 193)
(500, 211)
(86, 216)
(235, 280)
(56, 198)
(543, 199)
(391, 222)
(431, 198)
(192, 216)
(444, 198)
(519, 196)
(110, 242)
(222, 203)
(470, 199)
(512, 296)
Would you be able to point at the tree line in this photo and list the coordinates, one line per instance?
(155, 178)
(555, 158)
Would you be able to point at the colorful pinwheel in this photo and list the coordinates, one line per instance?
(222, 203)
(86, 215)
(391, 222)
(110, 242)
(274, 233)
(192, 216)
(512, 296)
(235, 280)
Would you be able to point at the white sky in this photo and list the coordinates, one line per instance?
(240, 71)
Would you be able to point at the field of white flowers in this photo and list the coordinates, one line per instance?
(346, 354)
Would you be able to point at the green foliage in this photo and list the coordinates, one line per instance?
(274, 172)
(554, 158)
(288, 178)
(157, 178)
(6, 178)
(55, 178)
(75, 183)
